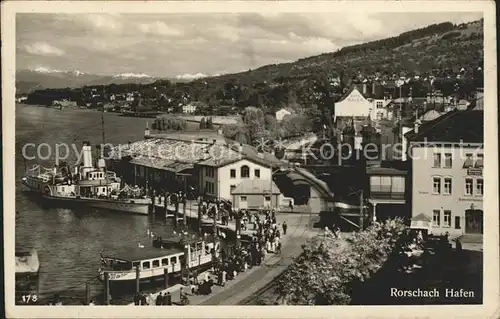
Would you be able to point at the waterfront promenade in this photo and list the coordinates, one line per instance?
(249, 282)
(192, 213)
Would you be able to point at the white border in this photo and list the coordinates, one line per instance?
(491, 294)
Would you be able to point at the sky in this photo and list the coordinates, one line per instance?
(182, 45)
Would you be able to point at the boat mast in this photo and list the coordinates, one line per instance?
(102, 124)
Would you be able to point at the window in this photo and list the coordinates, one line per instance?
(380, 104)
(437, 160)
(479, 187)
(209, 187)
(468, 161)
(233, 173)
(245, 172)
(447, 218)
(479, 160)
(267, 198)
(243, 198)
(209, 171)
(468, 186)
(447, 160)
(135, 264)
(232, 187)
(173, 260)
(447, 186)
(457, 222)
(164, 262)
(146, 265)
(398, 184)
(436, 185)
(436, 218)
(62, 189)
(257, 173)
(156, 263)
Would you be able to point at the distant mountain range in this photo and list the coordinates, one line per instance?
(45, 78)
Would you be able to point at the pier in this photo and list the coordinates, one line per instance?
(190, 210)
(250, 282)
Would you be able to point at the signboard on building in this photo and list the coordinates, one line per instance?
(474, 171)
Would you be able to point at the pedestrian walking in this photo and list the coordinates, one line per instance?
(167, 299)
(278, 248)
(285, 227)
(291, 206)
(159, 299)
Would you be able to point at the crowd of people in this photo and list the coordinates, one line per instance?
(163, 299)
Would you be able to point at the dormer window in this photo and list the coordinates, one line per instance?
(469, 162)
(479, 161)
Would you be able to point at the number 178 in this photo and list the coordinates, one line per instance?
(29, 298)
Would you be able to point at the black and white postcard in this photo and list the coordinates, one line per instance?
(162, 157)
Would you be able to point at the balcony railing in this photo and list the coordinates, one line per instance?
(387, 195)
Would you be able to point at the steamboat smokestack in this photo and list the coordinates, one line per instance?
(87, 158)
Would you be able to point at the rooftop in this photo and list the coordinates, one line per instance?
(454, 126)
(176, 155)
(256, 186)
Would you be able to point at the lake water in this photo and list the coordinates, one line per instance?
(69, 241)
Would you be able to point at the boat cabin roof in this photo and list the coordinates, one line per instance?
(139, 254)
(172, 245)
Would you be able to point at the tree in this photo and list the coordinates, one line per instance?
(328, 270)
(254, 121)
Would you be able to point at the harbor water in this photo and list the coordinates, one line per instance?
(69, 241)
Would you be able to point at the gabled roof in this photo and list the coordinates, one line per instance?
(454, 126)
(421, 217)
(256, 186)
(346, 94)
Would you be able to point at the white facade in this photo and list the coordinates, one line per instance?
(448, 187)
(218, 181)
(381, 109)
(188, 109)
(280, 114)
(354, 105)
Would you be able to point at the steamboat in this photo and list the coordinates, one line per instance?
(86, 185)
(151, 263)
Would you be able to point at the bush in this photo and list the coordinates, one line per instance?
(328, 269)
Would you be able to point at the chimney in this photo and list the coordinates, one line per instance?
(373, 88)
(87, 158)
(365, 88)
(416, 126)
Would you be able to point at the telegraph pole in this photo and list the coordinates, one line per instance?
(361, 212)
(238, 228)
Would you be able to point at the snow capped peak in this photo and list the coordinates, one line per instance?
(188, 76)
(42, 69)
(132, 75)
